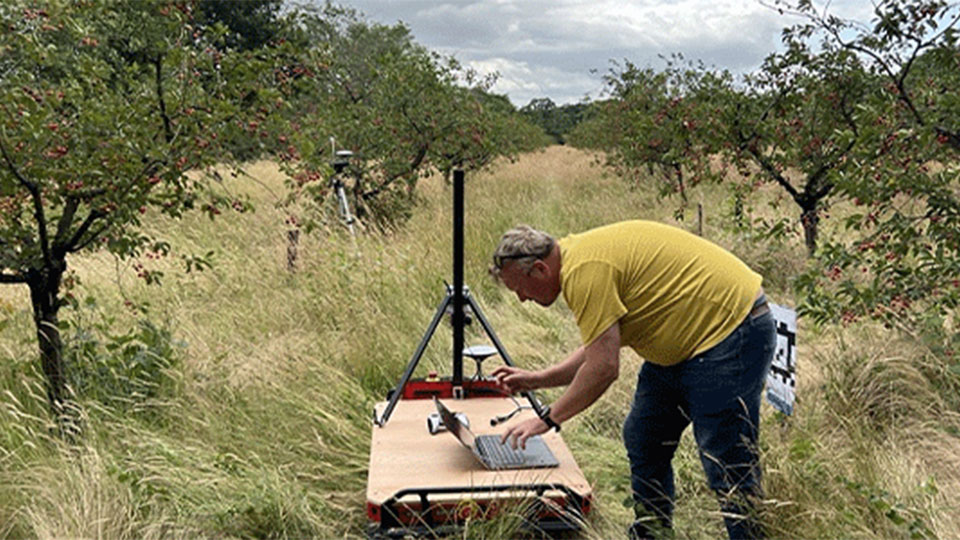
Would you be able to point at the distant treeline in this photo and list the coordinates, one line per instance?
(556, 121)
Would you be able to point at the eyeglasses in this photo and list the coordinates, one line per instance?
(498, 260)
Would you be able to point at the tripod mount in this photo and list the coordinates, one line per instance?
(457, 300)
(341, 159)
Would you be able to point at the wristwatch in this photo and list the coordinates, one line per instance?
(545, 416)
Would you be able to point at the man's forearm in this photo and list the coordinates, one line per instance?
(589, 384)
(599, 366)
(563, 373)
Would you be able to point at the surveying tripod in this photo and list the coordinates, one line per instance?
(340, 161)
(458, 297)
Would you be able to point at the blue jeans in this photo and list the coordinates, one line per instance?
(718, 392)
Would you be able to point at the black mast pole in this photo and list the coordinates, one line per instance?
(458, 319)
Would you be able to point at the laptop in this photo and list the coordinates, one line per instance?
(491, 453)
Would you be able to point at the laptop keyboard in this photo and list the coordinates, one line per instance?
(490, 447)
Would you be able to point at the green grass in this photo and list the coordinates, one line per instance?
(250, 407)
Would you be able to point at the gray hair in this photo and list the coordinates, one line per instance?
(522, 244)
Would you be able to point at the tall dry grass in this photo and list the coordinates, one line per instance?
(258, 425)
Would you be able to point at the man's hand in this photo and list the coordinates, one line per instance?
(519, 433)
(515, 380)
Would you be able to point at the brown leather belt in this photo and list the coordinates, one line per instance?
(760, 310)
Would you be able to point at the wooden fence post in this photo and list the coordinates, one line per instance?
(293, 239)
(699, 219)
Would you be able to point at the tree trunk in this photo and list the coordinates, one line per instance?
(44, 286)
(810, 219)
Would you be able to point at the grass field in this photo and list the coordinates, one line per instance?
(236, 402)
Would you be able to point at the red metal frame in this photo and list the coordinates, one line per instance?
(443, 388)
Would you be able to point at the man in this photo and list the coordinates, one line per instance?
(698, 317)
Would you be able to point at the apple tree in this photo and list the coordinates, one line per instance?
(405, 111)
(107, 110)
(655, 124)
(791, 123)
(900, 260)
(488, 127)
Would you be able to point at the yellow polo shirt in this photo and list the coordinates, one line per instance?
(674, 294)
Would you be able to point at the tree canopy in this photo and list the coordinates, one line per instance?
(406, 111)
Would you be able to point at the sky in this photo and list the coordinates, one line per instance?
(561, 49)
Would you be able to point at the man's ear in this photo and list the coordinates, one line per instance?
(540, 266)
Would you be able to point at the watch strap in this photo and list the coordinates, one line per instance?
(545, 416)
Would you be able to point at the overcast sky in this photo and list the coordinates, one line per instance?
(561, 48)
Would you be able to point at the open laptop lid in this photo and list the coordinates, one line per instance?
(454, 425)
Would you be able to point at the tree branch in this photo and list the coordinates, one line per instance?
(69, 210)
(902, 92)
(417, 160)
(898, 79)
(775, 174)
(415, 163)
(833, 161)
(78, 245)
(12, 278)
(813, 188)
(158, 69)
(72, 244)
(35, 194)
(744, 144)
(149, 168)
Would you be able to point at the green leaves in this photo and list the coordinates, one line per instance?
(105, 108)
(900, 262)
(883, 503)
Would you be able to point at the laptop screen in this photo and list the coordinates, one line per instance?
(453, 424)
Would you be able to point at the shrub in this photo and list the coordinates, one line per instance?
(130, 372)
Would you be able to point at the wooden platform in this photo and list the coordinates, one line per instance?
(404, 455)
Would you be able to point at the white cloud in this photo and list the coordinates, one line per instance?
(524, 82)
(553, 48)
